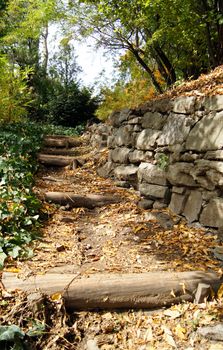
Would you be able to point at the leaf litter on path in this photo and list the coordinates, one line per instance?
(114, 238)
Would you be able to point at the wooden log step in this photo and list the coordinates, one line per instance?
(60, 151)
(53, 160)
(117, 291)
(61, 141)
(75, 201)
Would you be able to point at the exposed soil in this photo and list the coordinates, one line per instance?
(117, 238)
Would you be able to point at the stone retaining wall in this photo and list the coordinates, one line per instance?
(172, 152)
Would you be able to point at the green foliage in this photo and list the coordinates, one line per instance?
(19, 207)
(124, 95)
(71, 105)
(61, 130)
(13, 338)
(163, 161)
(15, 96)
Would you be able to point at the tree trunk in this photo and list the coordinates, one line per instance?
(168, 66)
(75, 201)
(116, 291)
(46, 51)
(147, 69)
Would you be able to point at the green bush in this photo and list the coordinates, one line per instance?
(15, 96)
(71, 105)
(19, 207)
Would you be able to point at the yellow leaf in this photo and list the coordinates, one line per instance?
(139, 228)
(220, 291)
(56, 296)
(12, 269)
(180, 332)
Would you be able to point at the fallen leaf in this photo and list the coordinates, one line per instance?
(168, 336)
(180, 332)
(56, 296)
(12, 269)
(220, 291)
(172, 313)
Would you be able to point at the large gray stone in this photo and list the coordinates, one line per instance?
(135, 120)
(146, 140)
(120, 155)
(105, 170)
(175, 130)
(215, 155)
(189, 157)
(212, 214)
(128, 172)
(208, 174)
(193, 206)
(124, 136)
(178, 174)
(214, 332)
(152, 174)
(118, 117)
(163, 105)
(213, 103)
(140, 156)
(111, 141)
(207, 134)
(153, 121)
(179, 190)
(159, 205)
(184, 104)
(177, 202)
(154, 191)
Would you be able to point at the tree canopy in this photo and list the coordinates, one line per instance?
(160, 42)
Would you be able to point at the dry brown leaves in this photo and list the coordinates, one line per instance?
(114, 238)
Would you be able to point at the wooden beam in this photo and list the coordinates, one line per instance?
(75, 201)
(116, 291)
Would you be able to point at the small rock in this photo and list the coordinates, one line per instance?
(218, 253)
(212, 332)
(202, 293)
(220, 234)
(66, 219)
(92, 345)
(60, 247)
(159, 205)
(150, 217)
(123, 184)
(163, 219)
(145, 204)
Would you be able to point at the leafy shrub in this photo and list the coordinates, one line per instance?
(124, 95)
(19, 207)
(71, 105)
(15, 96)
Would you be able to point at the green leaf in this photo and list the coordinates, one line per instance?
(3, 256)
(10, 333)
(14, 253)
(37, 329)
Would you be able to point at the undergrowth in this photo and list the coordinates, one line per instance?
(19, 207)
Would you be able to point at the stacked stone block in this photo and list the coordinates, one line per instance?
(171, 150)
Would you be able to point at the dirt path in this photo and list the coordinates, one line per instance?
(118, 238)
